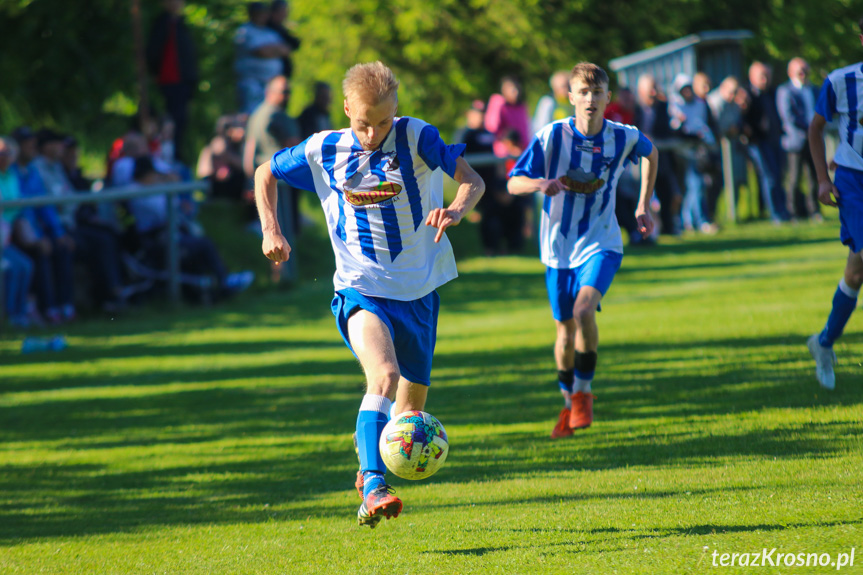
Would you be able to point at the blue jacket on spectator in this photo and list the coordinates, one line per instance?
(44, 219)
(796, 107)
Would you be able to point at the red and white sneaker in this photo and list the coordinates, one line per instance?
(380, 503)
(581, 414)
(562, 429)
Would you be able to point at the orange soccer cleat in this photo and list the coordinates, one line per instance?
(562, 429)
(380, 503)
(581, 415)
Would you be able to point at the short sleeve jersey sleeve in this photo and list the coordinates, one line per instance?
(435, 153)
(292, 166)
(826, 104)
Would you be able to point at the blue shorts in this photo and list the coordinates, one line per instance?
(412, 325)
(850, 185)
(563, 285)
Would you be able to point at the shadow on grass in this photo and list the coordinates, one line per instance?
(497, 388)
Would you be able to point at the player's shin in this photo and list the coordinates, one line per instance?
(844, 302)
(564, 380)
(585, 366)
(373, 416)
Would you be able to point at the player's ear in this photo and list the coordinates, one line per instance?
(347, 109)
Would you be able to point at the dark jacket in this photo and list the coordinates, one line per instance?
(185, 48)
(661, 128)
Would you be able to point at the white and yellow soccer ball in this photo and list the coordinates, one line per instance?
(414, 445)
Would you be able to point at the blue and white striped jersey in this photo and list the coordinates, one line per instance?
(376, 204)
(574, 225)
(842, 95)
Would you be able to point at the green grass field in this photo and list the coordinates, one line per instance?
(219, 440)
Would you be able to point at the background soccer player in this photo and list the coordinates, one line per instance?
(577, 163)
(380, 183)
(841, 96)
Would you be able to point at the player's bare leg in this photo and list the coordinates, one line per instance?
(584, 361)
(564, 357)
(410, 396)
(844, 302)
(371, 341)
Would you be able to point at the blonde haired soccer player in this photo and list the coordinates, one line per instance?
(381, 187)
(576, 163)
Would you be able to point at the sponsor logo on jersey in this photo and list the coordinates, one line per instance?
(367, 195)
(589, 148)
(581, 182)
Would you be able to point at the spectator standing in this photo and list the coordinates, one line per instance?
(316, 116)
(259, 53)
(701, 85)
(16, 269)
(270, 129)
(691, 116)
(221, 161)
(279, 13)
(764, 132)
(494, 202)
(652, 119)
(555, 105)
(622, 111)
(507, 113)
(173, 63)
(795, 101)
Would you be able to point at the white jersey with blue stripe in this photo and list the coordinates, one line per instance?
(376, 204)
(574, 225)
(842, 95)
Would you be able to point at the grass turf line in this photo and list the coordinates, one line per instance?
(218, 441)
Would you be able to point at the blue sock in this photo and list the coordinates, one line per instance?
(564, 380)
(371, 420)
(844, 302)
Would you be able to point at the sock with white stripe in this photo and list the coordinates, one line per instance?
(372, 418)
(844, 302)
(585, 367)
(564, 380)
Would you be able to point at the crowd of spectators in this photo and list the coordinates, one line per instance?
(57, 256)
(766, 127)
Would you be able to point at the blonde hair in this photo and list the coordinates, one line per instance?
(589, 73)
(372, 83)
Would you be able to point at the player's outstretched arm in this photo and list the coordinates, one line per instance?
(470, 190)
(819, 158)
(274, 246)
(648, 180)
(522, 185)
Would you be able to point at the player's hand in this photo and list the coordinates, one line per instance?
(824, 190)
(551, 187)
(442, 219)
(644, 221)
(276, 248)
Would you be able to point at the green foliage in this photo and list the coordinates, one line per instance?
(63, 63)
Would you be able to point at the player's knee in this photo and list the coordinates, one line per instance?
(565, 334)
(384, 382)
(854, 276)
(584, 314)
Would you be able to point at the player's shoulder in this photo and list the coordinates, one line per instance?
(630, 132)
(841, 73)
(547, 130)
(314, 145)
(412, 126)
